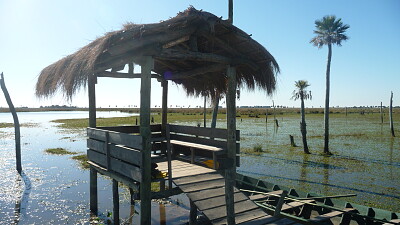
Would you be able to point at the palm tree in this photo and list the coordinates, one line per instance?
(302, 94)
(329, 30)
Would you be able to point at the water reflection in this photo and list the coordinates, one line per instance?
(22, 201)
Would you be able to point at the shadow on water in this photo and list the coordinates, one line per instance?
(21, 204)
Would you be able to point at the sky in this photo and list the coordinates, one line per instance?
(364, 70)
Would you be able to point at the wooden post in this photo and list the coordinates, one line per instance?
(279, 205)
(292, 141)
(93, 191)
(205, 110)
(92, 123)
(193, 213)
(391, 114)
(92, 100)
(230, 11)
(16, 125)
(115, 201)
(381, 111)
(230, 172)
(164, 113)
(145, 184)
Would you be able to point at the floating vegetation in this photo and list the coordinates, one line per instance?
(59, 151)
(82, 159)
(257, 149)
(6, 125)
(11, 125)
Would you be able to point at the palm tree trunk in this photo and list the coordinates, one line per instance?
(215, 111)
(326, 112)
(303, 128)
(391, 114)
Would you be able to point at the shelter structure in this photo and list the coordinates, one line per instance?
(195, 49)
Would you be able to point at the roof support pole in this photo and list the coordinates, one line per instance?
(147, 64)
(230, 171)
(92, 123)
(164, 84)
(92, 100)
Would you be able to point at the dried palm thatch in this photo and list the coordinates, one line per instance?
(191, 49)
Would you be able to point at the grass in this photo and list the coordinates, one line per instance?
(59, 151)
(10, 125)
(257, 149)
(82, 159)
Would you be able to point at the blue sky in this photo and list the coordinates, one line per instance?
(34, 34)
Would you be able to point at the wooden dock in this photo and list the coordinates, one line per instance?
(206, 190)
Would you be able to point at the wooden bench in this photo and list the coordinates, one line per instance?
(330, 215)
(193, 147)
(200, 141)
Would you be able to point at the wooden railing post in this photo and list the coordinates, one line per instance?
(145, 184)
(230, 172)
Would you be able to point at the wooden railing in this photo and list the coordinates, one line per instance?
(118, 149)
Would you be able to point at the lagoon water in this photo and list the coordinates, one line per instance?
(58, 189)
(366, 162)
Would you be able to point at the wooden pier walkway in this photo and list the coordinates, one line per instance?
(206, 189)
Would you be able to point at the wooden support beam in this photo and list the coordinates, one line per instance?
(150, 40)
(176, 42)
(125, 75)
(200, 70)
(193, 213)
(164, 113)
(93, 191)
(230, 172)
(147, 64)
(171, 54)
(115, 201)
(92, 101)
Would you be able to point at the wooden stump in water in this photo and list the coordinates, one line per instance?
(292, 141)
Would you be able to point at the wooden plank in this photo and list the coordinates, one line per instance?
(329, 215)
(117, 166)
(177, 41)
(133, 141)
(113, 74)
(125, 180)
(198, 178)
(207, 193)
(218, 201)
(202, 185)
(220, 212)
(130, 129)
(196, 146)
(202, 141)
(258, 197)
(202, 131)
(123, 153)
(244, 217)
(293, 205)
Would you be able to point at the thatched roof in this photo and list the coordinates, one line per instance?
(192, 49)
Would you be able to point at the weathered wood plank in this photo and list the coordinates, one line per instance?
(220, 212)
(124, 75)
(218, 201)
(255, 215)
(131, 129)
(329, 215)
(258, 197)
(118, 166)
(202, 131)
(196, 146)
(120, 152)
(133, 141)
(293, 205)
(207, 193)
(198, 178)
(202, 185)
